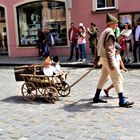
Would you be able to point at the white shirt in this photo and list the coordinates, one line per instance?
(117, 60)
(137, 33)
(127, 33)
(58, 69)
(49, 71)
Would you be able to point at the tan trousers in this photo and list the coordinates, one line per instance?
(115, 75)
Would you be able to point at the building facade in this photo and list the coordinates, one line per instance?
(21, 19)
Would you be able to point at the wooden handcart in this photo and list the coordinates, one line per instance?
(36, 82)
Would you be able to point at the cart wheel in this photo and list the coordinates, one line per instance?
(51, 94)
(65, 90)
(29, 91)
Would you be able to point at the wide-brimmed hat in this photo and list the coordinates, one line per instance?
(110, 19)
(81, 24)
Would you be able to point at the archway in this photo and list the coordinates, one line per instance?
(3, 33)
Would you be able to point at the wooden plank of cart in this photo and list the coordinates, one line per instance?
(36, 82)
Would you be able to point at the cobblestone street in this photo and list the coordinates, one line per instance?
(74, 117)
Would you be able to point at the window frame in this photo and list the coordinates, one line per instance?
(95, 6)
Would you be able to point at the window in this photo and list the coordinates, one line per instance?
(104, 4)
(2, 21)
(126, 18)
(39, 15)
(2, 13)
(130, 18)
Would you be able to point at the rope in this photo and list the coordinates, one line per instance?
(81, 77)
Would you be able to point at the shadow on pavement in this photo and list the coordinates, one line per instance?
(85, 105)
(21, 100)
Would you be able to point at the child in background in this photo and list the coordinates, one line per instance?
(119, 63)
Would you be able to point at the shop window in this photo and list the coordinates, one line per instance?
(41, 15)
(130, 18)
(104, 4)
(2, 21)
(2, 13)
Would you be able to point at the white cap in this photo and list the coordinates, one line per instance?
(81, 24)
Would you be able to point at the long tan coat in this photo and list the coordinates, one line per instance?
(106, 51)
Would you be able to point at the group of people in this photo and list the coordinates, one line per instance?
(129, 39)
(44, 42)
(77, 38)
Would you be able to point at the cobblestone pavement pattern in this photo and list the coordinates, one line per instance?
(73, 117)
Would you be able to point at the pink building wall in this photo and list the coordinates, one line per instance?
(129, 6)
(81, 12)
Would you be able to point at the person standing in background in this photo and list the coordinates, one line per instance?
(5, 42)
(136, 37)
(40, 43)
(1, 42)
(82, 43)
(47, 42)
(127, 33)
(82, 25)
(72, 35)
(93, 38)
(117, 33)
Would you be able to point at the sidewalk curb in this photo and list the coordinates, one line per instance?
(134, 66)
(81, 65)
(62, 64)
(19, 61)
(76, 65)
